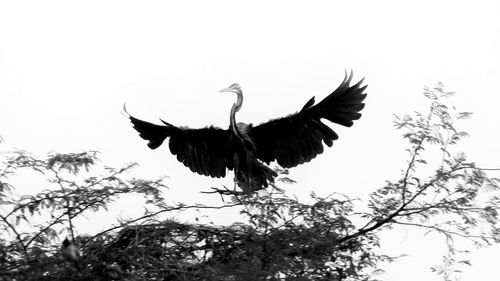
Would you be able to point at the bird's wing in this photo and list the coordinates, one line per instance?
(205, 151)
(298, 138)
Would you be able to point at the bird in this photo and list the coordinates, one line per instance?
(248, 150)
(71, 253)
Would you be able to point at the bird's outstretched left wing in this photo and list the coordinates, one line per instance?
(298, 138)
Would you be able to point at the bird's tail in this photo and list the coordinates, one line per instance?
(77, 264)
(255, 177)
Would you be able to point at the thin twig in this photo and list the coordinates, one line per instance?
(159, 212)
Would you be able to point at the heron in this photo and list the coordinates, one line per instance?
(248, 150)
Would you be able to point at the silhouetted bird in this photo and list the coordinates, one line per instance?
(71, 253)
(291, 140)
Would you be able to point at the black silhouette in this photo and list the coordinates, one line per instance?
(290, 140)
(71, 253)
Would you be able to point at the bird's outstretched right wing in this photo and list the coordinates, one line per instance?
(299, 137)
(205, 151)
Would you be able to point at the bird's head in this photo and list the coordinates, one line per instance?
(234, 88)
(66, 242)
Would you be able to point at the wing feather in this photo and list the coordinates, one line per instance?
(299, 138)
(205, 151)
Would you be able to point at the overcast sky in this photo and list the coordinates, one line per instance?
(67, 67)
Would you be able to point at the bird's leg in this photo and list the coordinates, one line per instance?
(236, 160)
(250, 164)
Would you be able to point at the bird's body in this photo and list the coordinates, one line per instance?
(71, 253)
(246, 149)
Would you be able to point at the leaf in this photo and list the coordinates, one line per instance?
(466, 262)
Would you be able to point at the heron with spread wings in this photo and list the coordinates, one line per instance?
(248, 149)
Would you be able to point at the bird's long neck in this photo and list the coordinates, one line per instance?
(235, 108)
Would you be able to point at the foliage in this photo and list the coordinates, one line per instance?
(281, 238)
(69, 195)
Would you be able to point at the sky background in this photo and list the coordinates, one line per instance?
(67, 67)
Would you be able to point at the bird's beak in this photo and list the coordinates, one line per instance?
(226, 90)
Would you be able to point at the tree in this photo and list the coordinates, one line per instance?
(330, 238)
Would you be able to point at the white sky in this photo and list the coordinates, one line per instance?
(67, 67)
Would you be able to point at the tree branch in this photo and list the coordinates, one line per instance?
(159, 212)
